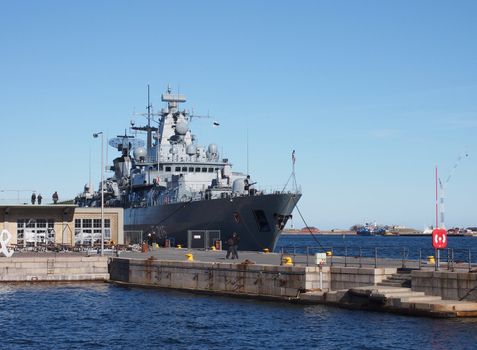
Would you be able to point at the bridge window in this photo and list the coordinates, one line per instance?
(197, 170)
(191, 169)
(184, 169)
(178, 168)
(211, 170)
(168, 169)
(204, 170)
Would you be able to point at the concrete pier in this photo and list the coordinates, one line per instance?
(258, 275)
(52, 268)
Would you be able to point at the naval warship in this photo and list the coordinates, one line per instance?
(185, 193)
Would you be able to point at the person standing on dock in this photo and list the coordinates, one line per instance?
(235, 246)
(230, 244)
(33, 198)
(233, 242)
(39, 198)
(55, 197)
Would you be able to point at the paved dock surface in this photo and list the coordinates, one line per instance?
(176, 254)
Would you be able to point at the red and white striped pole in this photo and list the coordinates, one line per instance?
(437, 202)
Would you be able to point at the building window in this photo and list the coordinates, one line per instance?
(168, 169)
(211, 170)
(178, 168)
(191, 169)
(33, 232)
(197, 170)
(88, 231)
(204, 170)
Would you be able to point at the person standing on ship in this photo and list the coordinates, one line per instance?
(33, 198)
(39, 198)
(246, 184)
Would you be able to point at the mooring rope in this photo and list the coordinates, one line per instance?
(308, 227)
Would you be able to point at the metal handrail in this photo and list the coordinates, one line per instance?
(404, 257)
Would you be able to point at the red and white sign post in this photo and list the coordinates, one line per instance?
(439, 238)
(439, 241)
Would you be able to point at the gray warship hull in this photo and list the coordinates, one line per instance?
(257, 219)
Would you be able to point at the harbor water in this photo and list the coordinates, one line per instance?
(411, 247)
(104, 316)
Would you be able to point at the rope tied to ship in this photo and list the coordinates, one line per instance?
(308, 227)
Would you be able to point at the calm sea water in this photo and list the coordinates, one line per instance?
(387, 246)
(103, 316)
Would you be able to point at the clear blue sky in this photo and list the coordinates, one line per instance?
(371, 95)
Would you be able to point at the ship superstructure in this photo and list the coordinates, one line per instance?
(172, 185)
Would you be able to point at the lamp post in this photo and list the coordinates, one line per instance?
(102, 190)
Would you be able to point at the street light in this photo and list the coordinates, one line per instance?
(102, 190)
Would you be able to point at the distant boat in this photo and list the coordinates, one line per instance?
(370, 230)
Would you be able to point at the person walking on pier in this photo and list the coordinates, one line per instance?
(230, 243)
(235, 246)
(233, 242)
(33, 198)
(55, 197)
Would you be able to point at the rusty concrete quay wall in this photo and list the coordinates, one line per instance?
(53, 269)
(247, 279)
(351, 287)
(457, 285)
(239, 279)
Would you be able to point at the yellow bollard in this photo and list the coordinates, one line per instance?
(431, 260)
(266, 250)
(189, 257)
(287, 260)
(329, 253)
